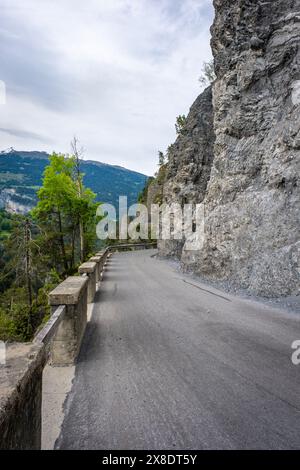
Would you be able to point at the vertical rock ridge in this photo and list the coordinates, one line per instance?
(189, 163)
(250, 185)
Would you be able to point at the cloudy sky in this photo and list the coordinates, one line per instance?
(115, 73)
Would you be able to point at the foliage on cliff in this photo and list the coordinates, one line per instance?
(143, 196)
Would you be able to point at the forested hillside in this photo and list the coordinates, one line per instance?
(39, 249)
(21, 176)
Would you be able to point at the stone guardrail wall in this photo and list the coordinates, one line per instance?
(58, 341)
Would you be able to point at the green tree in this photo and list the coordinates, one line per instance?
(19, 299)
(208, 73)
(56, 199)
(38, 250)
(142, 197)
(64, 212)
(180, 124)
(161, 158)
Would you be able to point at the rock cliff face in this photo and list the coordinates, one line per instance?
(189, 163)
(249, 182)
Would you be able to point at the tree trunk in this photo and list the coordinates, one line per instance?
(73, 247)
(77, 154)
(28, 274)
(82, 251)
(62, 243)
(81, 228)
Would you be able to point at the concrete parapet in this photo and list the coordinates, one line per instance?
(97, 259)
(73, 294)
(89, 268)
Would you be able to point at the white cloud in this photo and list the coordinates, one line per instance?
(116, 73)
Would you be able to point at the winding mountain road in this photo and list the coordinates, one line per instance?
(170, 363)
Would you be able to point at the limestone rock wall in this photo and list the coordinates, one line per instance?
(252, 201)
(190, 162)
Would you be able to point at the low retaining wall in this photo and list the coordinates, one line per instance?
(60, 340)
(21, 396)
(89, 268)
(73, 294)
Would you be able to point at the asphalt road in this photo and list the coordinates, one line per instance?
(169, 363)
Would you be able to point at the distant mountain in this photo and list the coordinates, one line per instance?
(21, 176)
